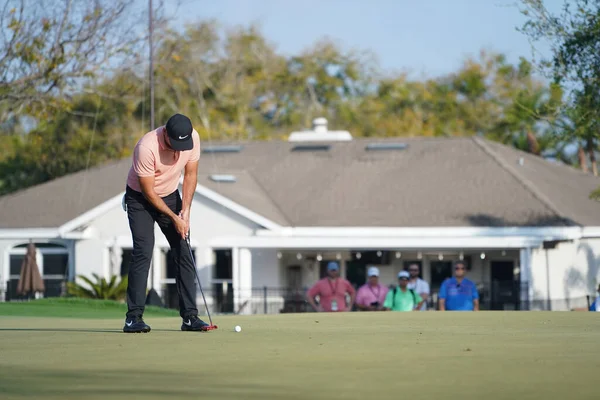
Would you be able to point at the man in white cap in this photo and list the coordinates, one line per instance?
(401, 298)
(371, 295)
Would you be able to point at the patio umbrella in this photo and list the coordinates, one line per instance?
(30, 281)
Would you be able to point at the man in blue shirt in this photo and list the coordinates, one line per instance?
(459, 293)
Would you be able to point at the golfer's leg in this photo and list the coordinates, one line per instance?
(185, 278)
(141, 224)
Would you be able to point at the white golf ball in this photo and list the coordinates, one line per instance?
(238, 328)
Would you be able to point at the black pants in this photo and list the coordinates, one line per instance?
(142, 216)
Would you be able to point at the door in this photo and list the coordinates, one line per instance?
(294, 277)
(440, 271)
(504, 290)
(294, 296)
(223, 281)
(356, 273)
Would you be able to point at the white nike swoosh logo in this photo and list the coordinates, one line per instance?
(188, 323)
(129, 323)
(183, 137)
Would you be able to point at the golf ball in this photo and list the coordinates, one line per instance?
(238, 328)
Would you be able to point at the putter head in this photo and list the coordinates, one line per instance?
(210, 328)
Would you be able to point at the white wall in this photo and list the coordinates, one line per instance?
(565, 274)
(208, 220)
(266, 270)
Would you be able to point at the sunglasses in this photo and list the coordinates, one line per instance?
(413, 270)
(403, 279)
(459, 268)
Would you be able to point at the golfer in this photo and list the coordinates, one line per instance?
(152, 196)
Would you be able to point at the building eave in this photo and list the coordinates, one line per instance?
(40, 233)
(543, 233)
(377, 243)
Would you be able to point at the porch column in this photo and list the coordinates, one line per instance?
(242, 279)
(157, 269)
(526, 290)
(71, 260)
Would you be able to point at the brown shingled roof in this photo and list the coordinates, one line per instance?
(433, 182)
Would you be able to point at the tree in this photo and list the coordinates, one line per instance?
(50, 47)
(91, 129)
(574, 36)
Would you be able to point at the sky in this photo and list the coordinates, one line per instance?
(425, 38)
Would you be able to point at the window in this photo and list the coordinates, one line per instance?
(223, 265)
(56, 264)
(53, 263)
(222, 282)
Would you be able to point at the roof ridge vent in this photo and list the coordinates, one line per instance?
(320, 133)
(386, 146)
(222, 149)
(223, 178)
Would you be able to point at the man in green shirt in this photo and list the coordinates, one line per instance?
(401, 298)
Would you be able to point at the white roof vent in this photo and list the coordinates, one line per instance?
(222, 178)
(320, 133)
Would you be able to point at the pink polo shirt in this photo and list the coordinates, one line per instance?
(369, 294)
(152, 156)
(328, 290)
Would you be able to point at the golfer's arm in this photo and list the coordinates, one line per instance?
(190, 179)
(476, 305)
(147, 185)
(442, 304)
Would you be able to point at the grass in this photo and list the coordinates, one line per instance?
(71, 307)
(431, 355)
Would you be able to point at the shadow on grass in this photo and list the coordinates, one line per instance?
(87, 330)
(60, 330)
(96, 383)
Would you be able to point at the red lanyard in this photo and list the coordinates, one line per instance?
(333, 291)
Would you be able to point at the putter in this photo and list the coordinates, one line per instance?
(211, 326)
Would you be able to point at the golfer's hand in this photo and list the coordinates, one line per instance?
(185, 215)
(181, 226)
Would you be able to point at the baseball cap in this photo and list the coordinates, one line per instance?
(179, 129)
(333, 266)
(403, 274)
(373, 271)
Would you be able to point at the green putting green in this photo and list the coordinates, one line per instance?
(430, 355)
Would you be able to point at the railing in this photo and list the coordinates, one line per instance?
(54, 287)
(269, 300)
(263, 300)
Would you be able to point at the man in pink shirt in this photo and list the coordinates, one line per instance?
(151, 196)
(371, 295)
(331, 291)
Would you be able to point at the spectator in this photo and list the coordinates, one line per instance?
(401, 298)
(459, 293)
(331, 291)
(371, 295)
(418, 285)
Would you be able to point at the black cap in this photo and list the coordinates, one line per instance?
(179, 130)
